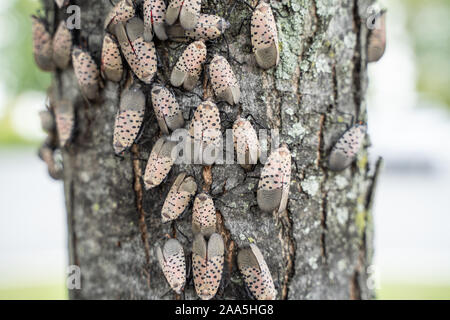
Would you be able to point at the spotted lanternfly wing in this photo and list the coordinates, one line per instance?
(112, 65)
(62, 3)
(154, 19)
(204, 215)
(204, 132)
(224, 81)
(273, 187)
(87, 73)
(189, 65)
(178, 198)
(377, 40)
(62, 46)
(190, 13)
(168, 112)
(42, 45)
(192, 78)
(208, 27)
(47, 121)
(256, 273)
(121, 12)
(207, 265)
(345, 150)
(172, 261)
(65, 120)
(173, 11)
(246, 143)
(159, 163)
(140, 55)
(265, 36)
(129, 119)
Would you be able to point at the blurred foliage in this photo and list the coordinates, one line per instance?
(17, 61)
(400, 291)
(43, 292)
(17, 67)
(9, 136)
(429, 28)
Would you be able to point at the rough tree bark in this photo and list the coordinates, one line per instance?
(319, 248)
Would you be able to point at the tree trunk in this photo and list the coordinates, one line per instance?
(319, 248)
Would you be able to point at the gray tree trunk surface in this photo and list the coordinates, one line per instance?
(319, 248)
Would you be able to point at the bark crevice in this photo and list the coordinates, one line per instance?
(357, 60)
(139, 194)
(288, 250)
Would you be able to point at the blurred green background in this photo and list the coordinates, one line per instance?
(427, 24)
(17, 65)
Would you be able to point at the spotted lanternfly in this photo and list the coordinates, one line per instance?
(87, 73)
(65, 120)
(129, 118)
(265, 37)
(179, 197)
(205, 134)
(159, 164)
(189, 66)
(62, 46)
(273, 187)
(190, 13)
(62, 3)
(47, 121)
(46, 153)
(154, 19)
(377, 40)
(173, 11)
(204, 215)
(346, 148)
(121, 12)
(246, 143)
(112, 65)
(172, 261)
(140, 55)
(256, 273)
(208, 27)
(42, 45)
(207, 265)
(167, 110)
(223, 79)
(187, 10)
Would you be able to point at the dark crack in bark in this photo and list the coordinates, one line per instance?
(230, 244)
(288, 247)
(139, 193)
(357, 61)
(371, 192)
(355, 288)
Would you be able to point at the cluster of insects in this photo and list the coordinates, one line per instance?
(129, 44)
